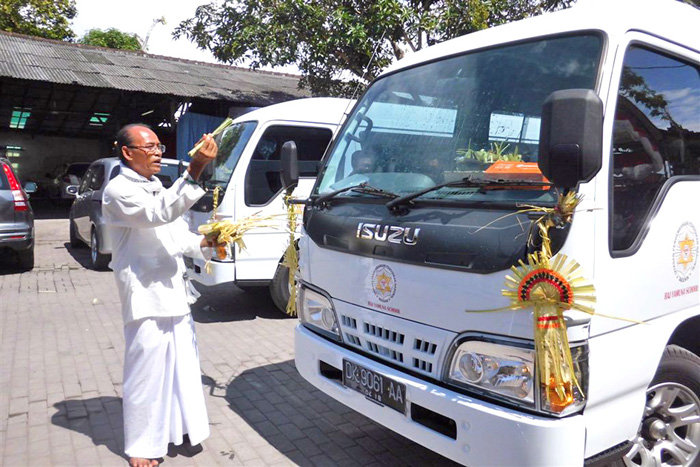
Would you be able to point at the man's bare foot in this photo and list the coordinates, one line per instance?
(141, 462)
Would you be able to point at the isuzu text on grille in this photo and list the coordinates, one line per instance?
(388, 233)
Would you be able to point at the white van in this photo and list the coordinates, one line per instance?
(399, 264)
(247, 170)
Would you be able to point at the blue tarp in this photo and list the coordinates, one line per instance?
(190, 128)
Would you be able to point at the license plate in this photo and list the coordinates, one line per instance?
(374, 386)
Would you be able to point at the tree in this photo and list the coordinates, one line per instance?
(111, 38)
(332, 41)
(43, 18)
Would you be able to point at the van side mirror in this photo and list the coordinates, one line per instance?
(571, 137)
(289, 166)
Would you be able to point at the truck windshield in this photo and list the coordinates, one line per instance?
(231, 143)
(473, 115)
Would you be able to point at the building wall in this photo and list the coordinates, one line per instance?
(41, 154)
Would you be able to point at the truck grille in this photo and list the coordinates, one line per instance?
(413, 346)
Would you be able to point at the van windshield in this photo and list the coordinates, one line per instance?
(232, 142)
(476, 114)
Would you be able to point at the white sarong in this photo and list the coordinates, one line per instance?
(163, 396)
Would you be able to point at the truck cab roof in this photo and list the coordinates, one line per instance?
(670, 19)
(311, 110)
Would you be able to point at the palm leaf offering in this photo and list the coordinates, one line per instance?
(225, 233)
(551, 285)
(225, 124)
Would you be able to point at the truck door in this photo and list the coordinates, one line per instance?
(654, 180)
(263, 193)
(647, 263)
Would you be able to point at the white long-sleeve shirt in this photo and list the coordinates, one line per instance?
(149, 239)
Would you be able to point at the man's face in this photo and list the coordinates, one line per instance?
(364, 164)
(143, 152)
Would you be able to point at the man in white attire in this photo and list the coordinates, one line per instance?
(163, 396)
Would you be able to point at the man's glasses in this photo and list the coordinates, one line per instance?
(150, 149)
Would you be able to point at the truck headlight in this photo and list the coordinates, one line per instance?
(573, 400)
(496, 368)
(509, 371)
(316, 311)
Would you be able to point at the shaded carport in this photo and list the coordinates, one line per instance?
(63, 102)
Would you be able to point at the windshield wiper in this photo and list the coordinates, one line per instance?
(469, 182)
(363, 187)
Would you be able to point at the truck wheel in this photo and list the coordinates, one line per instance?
(98, 260)
(26, 259)
(670, 430)
(74, 240)
(279, 287)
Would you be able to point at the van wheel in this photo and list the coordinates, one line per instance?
(26, 259)
(670, 430)
(74, 240)
(98, 260)
(279, 288)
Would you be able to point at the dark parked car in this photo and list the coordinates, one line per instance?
(63, 176)
(16, 217)
(87, 225)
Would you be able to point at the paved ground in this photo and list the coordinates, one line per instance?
(61, 376)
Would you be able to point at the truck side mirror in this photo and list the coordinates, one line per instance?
(289, 168)
(571, 137)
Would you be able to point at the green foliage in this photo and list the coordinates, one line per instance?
(49, 19)
(332, 41)
(497, 152)
(111, 38)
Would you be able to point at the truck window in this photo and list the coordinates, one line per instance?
(262, 181)
(231, 143)
(448, 119)
(656, 135)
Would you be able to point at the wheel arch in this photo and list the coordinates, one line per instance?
(686, 335)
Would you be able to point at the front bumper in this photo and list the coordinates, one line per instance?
(220, 272)
(486, 434)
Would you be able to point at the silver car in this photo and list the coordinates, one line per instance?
(16, 217)
(87, 225)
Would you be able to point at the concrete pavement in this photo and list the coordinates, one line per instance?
(61, 376)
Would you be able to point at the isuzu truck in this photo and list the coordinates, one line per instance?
(435, 197)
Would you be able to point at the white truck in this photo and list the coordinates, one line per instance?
(403, 265)
(247, 170)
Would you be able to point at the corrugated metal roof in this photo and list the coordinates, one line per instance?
(31, 58)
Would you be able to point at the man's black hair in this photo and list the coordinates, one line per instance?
(124, 139)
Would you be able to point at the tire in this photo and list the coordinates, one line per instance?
(665, 436)
(279, 288)
(26, 259)
(98, 261)
(75, 242)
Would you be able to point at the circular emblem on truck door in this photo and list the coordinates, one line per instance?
(383, 282)
(685, 251)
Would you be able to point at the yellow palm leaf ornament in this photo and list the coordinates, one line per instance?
(551, 285)
(291, 257)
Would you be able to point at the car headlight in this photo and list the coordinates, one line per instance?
(316, 311)
(501, 369)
